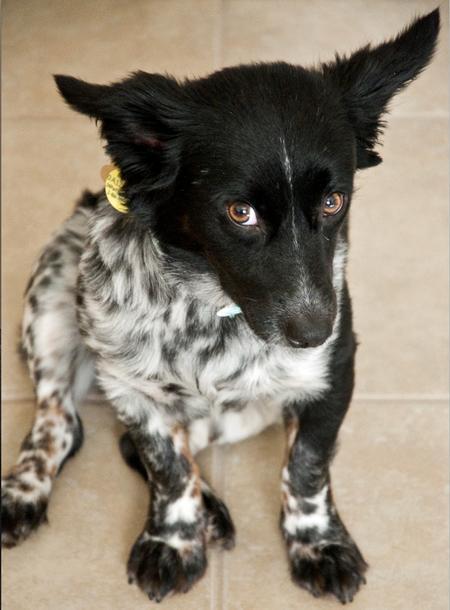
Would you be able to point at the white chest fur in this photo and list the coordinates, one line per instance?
(217, 371)
(254, 399)
(228, 396)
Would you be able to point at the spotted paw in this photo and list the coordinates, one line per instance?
(23, 510)
(220, 528)
(334, 569)
(161, 570)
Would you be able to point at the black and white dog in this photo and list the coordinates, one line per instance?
(217, 303)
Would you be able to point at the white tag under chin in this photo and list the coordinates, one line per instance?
(229, 311)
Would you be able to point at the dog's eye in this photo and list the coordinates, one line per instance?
(333, 203)
(242, 213)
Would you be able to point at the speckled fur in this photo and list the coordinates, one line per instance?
(169, 365)
(132, 300)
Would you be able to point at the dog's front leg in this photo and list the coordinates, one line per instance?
(323, 557)
(169, 556)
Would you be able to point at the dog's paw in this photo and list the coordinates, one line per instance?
(159, 569)
(330, 569)
(23, 509)
(220, 529)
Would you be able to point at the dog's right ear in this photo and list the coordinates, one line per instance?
(141, 120)
(368, 79)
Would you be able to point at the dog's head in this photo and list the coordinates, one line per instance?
(248, 174)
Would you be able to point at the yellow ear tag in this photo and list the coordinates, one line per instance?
(113, 185)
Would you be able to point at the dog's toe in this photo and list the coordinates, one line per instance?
(334, 569)
(21, 513)
(160, 570)
(220, 527)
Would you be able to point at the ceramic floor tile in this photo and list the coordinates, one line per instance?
(308, 32)
(99, 41)
(97, 509)
(390, 484)
(45, 166)
(398, 257)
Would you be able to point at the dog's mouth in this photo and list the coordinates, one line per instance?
(270, 318)
(301, 331)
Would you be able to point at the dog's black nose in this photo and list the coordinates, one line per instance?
(307, 331)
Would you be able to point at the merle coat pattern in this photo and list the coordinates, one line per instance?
(238, 188)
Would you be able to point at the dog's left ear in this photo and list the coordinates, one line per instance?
(370, 77)
(141, 118)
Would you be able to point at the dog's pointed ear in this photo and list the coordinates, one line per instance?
(370, 77)
(141, 120)
(83, 97)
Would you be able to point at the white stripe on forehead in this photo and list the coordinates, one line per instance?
(286, 162)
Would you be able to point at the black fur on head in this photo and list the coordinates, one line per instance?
(276, 137)
(369, 78)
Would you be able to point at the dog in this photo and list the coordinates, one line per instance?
(210, 300)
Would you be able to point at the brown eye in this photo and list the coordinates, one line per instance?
(242, 214)
(332, 204)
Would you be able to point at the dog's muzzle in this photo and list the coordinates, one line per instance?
(307, 331)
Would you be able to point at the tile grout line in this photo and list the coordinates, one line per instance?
(217, 42)
(217, 563)
(401, 397)
(223, 554)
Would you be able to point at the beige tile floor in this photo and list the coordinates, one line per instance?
(391, 471)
